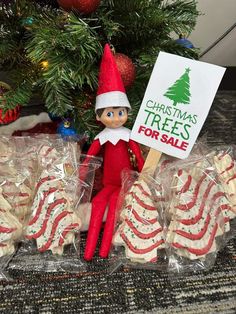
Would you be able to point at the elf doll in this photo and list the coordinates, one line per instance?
(112, 107)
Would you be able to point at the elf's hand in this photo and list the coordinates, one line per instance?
(140, 163)
(138, 154)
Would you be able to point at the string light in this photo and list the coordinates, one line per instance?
(44, 64)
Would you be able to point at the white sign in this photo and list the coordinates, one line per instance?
(176, 103)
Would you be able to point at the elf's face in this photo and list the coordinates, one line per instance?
(113, 117)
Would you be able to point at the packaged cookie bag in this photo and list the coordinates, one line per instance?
(16, 193)
(194, 215)
(146, 192)
(138, 240)
(55, 196)
(10, 234)
(48, 145)
(224, 161)
(52, 230)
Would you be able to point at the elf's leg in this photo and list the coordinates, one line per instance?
(99, 204)
(109, 225)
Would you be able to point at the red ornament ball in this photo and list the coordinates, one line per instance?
(11, 114)
(126, 68)
(83, 6)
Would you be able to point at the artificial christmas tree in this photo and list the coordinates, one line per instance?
(35, 33)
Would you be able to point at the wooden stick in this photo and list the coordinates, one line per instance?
(151, 161)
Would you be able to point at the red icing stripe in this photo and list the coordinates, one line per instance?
(7, 230)
(140, 234)
(2, 244)
(71, 227)
(153, 260)
(195, 236)
(232, 178)
(186, 186)
(49, 178)
(220, 194)
(21, 194)
(189, 205)
(145, 193)
(54, 227)
(164, 164)
(20, 205)
(199, 235)
(47, 216)
(141, 203)
(140, 219)
(140, 187)
(48, 151)
(41, 202)
(226, 219)
(222, 155)
(228, 168)
(140, 251)
(227, 207)
(195, 219)
(180, 171)
(203, 250)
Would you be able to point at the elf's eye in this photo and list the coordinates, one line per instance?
(110, 114)
(121, 113)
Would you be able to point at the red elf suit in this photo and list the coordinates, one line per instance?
(115, 141)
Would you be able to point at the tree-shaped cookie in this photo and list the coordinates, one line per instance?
(140, 229)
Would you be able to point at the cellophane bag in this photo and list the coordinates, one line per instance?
(199, 149)
(10, 230)
(138, 240)
(7, 148)
(88, 165)
(194, 214)
(51, 233)
(224, 161)
(16, 192)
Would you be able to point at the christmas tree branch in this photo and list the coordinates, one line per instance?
(57, 53)
(18, 96)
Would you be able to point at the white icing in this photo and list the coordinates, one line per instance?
(70, 218)
(227, 177)
(143, 226)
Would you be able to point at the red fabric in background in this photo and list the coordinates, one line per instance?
(47, 128)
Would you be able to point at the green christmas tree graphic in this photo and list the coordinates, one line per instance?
(179, 91)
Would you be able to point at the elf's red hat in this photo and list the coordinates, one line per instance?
(111, 91)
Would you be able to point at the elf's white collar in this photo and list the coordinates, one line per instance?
(113, 135)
